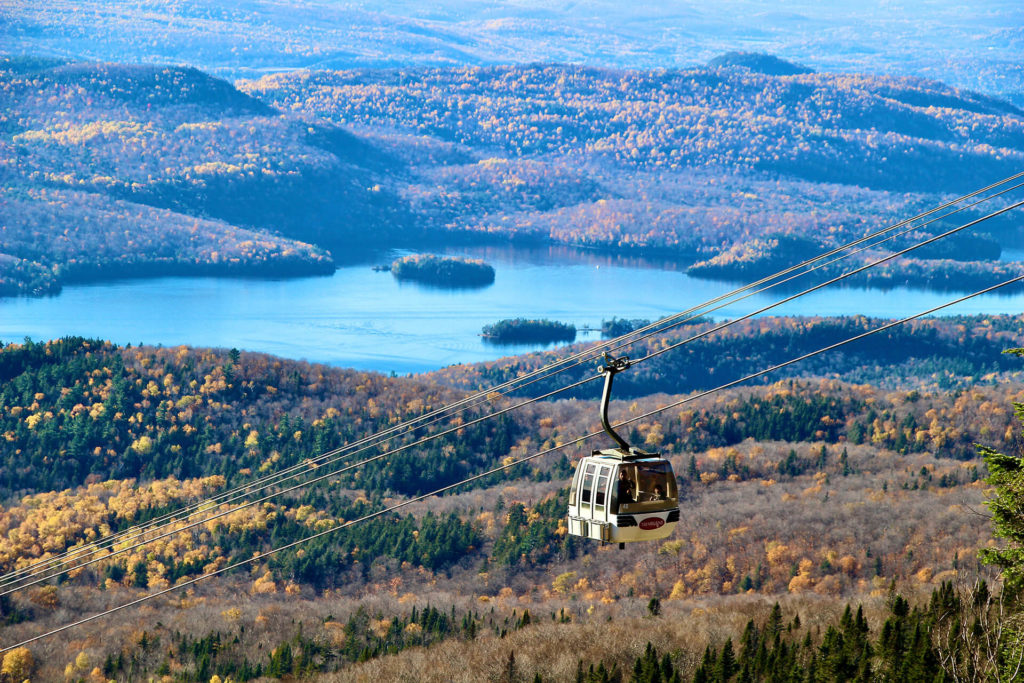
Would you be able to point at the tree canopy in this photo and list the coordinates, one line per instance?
(1006, 475)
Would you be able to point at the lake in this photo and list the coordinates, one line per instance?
(368, 320)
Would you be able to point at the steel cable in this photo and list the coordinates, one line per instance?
(56, 566)
(504, 466)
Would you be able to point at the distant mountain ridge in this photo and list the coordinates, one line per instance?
(943, 40)
(694, 164)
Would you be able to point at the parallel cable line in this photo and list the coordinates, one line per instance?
(410, 426)
(139, 541)
(315, 480)
(655, 328)
(650, 329)
(835, 251)
(505, 466)
(830, 347)
(55, 570)
(818, 267)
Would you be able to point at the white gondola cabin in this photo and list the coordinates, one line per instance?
(618, 498)
(623, 494)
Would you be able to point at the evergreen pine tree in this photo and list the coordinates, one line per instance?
(726, 663)
(706, 666)
(510, 674)
(1006, 476)
(774, 626)
(667, 670)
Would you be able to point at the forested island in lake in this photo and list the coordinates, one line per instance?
(443, 271)
(523, 331)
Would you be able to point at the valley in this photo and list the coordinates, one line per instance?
(302, 305)
(811, 487)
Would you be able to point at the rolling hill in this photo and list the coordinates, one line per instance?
(170, 170)
(813, 491)
(113, 170)
(726, 164)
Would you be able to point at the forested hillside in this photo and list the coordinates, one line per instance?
(857, 130)
(812, 488)
(685, 162)
(112, 170)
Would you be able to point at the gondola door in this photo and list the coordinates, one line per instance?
(589, 501)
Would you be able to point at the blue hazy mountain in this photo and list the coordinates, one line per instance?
(954, 42)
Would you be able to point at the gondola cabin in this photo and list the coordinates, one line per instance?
(623, 494)
(617, 498)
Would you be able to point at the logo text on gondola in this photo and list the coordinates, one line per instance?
(652, 523)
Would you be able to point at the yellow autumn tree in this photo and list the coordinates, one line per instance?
(802, 581)
(143, 445)
(563, 582)
(264, 584)
(17, 664)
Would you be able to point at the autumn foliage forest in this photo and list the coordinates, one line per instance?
(832, 513)
(732, 167)
(811, 489)
(740, 164)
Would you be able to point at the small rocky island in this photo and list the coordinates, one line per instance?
(442, 271)
(523, 331)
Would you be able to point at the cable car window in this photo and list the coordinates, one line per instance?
(646, 486)
(575, 485)
(588, 484)
(655, 481)
(602, 487)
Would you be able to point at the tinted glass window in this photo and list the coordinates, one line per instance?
(641, 485)
(588, 484)
(602, 487)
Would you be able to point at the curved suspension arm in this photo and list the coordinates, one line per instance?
(609, 369)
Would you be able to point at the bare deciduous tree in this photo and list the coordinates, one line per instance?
(978, 636)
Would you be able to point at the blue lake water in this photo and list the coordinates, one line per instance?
(364, 319)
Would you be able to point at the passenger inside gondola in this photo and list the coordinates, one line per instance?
(626, 488)
(643, 486)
